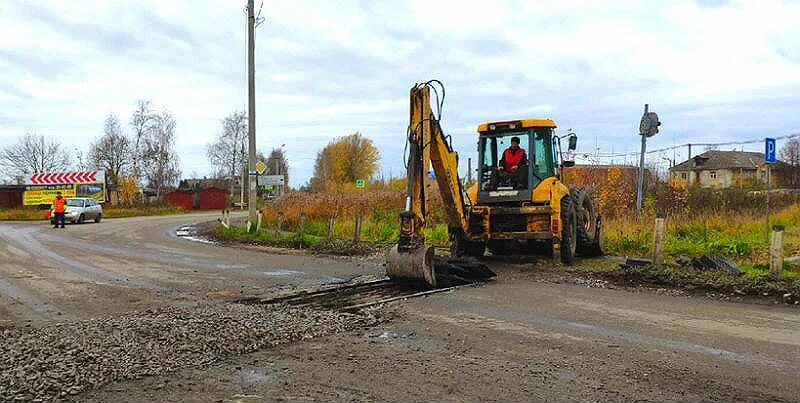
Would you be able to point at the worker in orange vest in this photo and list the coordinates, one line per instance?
(59, 209)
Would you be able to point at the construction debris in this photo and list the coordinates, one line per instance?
(55, 362)
(716, 262)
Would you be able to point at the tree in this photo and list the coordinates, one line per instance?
(277, 164)
(790, 154)
(227, 154)
(159, 161)
(34, 154)
(112, 151)
(143, 121)
(345, 160)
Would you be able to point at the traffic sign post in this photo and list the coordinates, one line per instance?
(261, 167)
(648, 127)
(770, 157)
(770, 151)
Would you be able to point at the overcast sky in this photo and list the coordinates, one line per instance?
(713, 70)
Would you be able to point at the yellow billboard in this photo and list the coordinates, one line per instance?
(44, 194)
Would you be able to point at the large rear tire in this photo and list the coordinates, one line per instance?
(588, 242)
(568, 231)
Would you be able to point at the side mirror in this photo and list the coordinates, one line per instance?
(573, 143)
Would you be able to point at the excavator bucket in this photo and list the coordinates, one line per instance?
(420, 265)
(414, 265)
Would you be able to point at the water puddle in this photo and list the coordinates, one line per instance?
(281, 272)
(189, 233)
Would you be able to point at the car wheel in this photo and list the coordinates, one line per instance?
(98, 218)
(80, 219)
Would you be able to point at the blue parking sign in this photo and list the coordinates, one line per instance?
(770, 151)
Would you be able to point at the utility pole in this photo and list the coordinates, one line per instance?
(251, 114)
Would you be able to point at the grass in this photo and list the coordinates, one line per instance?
(741, 237)
(266, 237)
(34, 214)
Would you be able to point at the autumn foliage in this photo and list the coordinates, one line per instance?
(343, 161)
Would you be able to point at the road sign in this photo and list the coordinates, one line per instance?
(648, 126)
(270, 179)
(770, 151)
(360, 183)
(55, 178)
(261, 167)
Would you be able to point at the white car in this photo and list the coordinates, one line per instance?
(80, 209)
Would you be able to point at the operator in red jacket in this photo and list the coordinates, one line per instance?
(512, 169)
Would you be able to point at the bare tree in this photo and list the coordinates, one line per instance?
(228, 153)
(34, 154)
(159, 161)
(277, 164)
(143, 122)
(790, 154)
(112, 151)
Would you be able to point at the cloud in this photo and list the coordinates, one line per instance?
(720, 70)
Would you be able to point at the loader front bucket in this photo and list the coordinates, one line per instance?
(415, 265)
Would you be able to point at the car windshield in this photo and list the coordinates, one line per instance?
(75, 202)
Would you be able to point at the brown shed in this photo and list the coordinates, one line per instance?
(181, 198)
(212, 199)
(11, 195)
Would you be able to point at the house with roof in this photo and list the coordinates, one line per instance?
(724, 169)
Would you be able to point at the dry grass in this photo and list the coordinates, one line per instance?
(34, 214)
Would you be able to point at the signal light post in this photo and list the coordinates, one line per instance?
(648, 127)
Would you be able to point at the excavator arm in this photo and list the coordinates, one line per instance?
(428, 146)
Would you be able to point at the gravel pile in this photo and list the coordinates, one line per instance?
(42, 364)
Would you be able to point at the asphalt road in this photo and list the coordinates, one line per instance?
(124, 264)
(519, 338)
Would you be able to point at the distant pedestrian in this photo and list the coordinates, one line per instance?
(59, 208)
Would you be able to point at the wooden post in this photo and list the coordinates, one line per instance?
(228, 217)
(260, 216)
(224, 221)
(302, 224)
(658, 242)
(330, 227)
(279, 224)
(357, 234)
(776, 251)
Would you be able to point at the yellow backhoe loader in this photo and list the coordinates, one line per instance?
(520, 209)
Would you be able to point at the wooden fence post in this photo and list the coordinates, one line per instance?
(279, 224)
(357, 234)
(258, 224)
(302, 228)
(776, 250)
(330, 227)
(658, 242)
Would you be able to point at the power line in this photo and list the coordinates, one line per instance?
(729, 143)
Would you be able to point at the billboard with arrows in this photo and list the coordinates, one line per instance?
(41, 188)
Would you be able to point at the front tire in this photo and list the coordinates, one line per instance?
(588, 242)
(568, 231)
(81, 219)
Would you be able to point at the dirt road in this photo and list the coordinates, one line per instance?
(519, 338)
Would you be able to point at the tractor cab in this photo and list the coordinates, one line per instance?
(514, 157)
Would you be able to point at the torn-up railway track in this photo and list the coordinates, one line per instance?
(354, 297)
